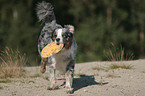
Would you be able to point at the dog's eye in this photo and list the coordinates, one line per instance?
(69, 35)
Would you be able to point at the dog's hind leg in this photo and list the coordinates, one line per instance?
(69, 77)
(52, 78)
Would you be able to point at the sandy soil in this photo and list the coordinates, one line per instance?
(91, 79)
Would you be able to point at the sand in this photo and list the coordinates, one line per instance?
(90, 79)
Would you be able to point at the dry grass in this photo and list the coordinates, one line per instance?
(35, 76)
(1, 87)
(121, 66)
(5, 81)
(11, 63)
(143, 71)
(118, 54)
(112, 76)
(98, 68)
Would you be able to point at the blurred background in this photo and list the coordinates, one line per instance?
(104, 29)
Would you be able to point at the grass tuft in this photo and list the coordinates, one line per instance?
(11, 63)
(31, 82)
(5, 81)
(1, 87)
(118, 54)
(143, 71)
(46, 78)
(98, 68)
(112, 76)
(122, 66)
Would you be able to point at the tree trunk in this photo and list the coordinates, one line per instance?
(109, 15)
(141, 36)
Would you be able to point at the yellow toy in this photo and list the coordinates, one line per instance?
(51, 49)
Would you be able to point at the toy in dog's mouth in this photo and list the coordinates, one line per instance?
(51, 49)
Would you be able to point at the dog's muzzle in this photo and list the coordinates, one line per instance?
(57, 41)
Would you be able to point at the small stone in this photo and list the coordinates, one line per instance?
(85, 90)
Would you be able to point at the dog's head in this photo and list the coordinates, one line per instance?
(64, 35)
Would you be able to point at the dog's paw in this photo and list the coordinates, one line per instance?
(69, 91)
(52, 88)
(43, 68)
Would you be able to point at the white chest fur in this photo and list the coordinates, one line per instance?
(62, 59)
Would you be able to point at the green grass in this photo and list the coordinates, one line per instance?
(1, 87)
(5, 81)
(46, 78)
(98, 68)
(31, 82)
(120, 66)
(101, 81)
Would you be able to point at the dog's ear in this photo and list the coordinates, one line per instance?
(70, 28)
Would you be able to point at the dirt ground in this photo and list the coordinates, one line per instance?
(90, 79)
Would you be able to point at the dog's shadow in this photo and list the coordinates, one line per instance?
(84, 81)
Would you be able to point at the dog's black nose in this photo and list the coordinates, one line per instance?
(57, 39)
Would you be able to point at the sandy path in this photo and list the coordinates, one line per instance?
(91, 79)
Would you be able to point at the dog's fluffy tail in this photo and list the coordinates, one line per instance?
(45, 12)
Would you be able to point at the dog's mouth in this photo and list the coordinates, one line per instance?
(64, 44)
(57, 43)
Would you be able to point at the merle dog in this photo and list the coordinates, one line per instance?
(64, 61)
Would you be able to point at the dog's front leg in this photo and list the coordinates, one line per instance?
(69, 77)
(52, 78)
(43, 65)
